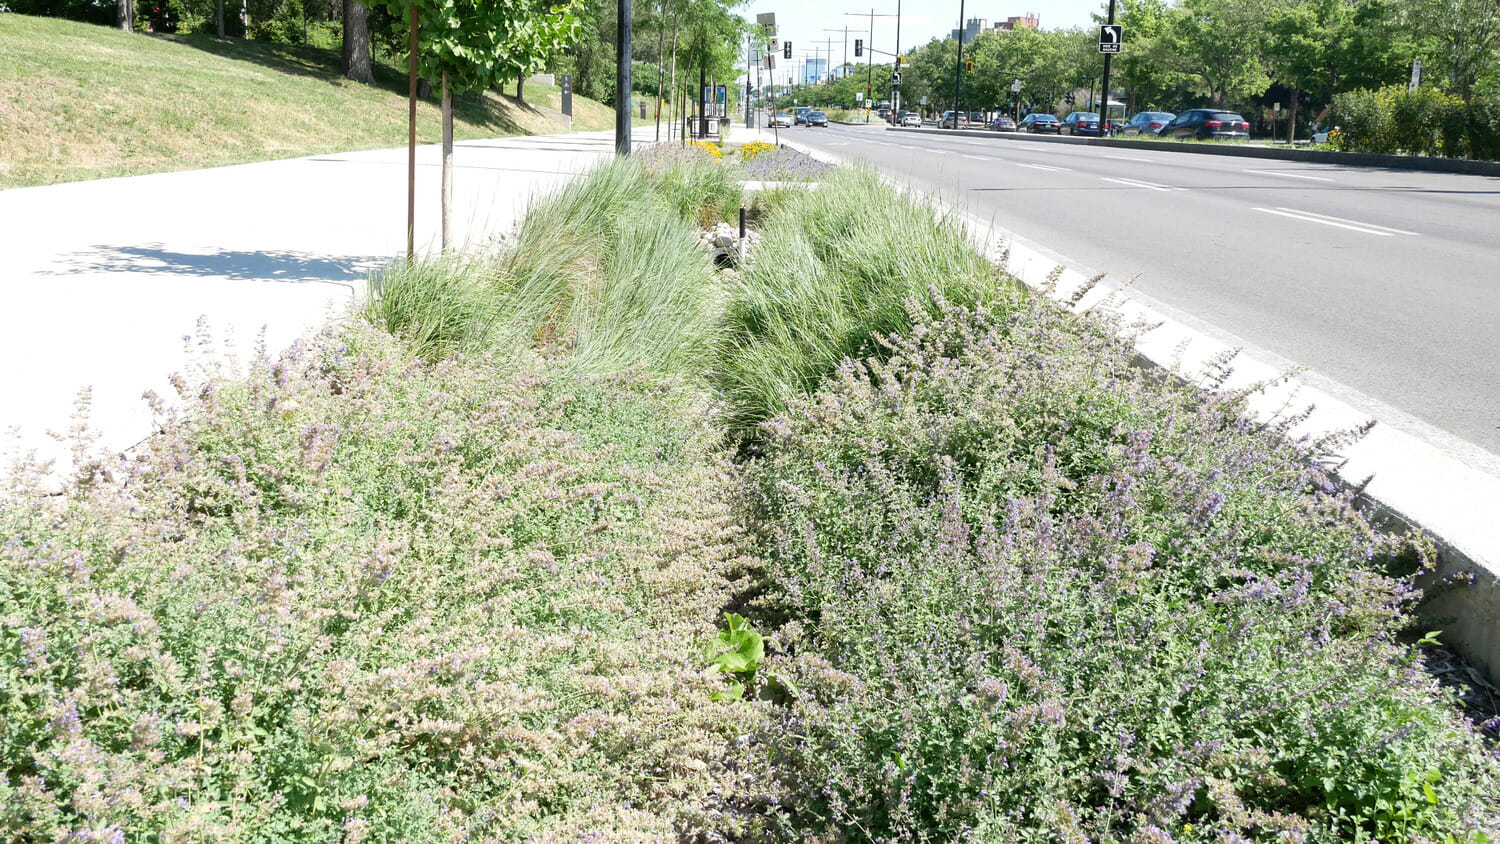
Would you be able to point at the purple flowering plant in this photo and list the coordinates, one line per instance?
(1027, 589)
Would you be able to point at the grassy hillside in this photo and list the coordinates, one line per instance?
(80, 102)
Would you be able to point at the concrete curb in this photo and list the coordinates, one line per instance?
(1450, 495)
(1316, 156)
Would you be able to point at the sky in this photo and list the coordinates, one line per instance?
(803, 21)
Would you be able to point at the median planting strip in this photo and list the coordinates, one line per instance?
(585, 538)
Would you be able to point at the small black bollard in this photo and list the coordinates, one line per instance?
(742, 222)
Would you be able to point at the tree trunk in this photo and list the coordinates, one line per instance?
(661, 59)
(520, 84)
(126, 14)
(219, 17)
(424, 89)
(673, 87)
(356, 53)
(447, 163)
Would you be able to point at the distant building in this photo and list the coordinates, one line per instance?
(814, 71)
(1030, 20)
(971, 29)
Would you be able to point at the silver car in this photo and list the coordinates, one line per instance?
(911, 119)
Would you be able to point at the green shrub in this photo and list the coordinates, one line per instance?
(357, 596)
(1030, 592)
(1424, 122)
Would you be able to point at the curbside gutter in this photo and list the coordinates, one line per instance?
(1316, 156)
(1418, 477)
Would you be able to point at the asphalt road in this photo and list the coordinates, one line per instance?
(1385, 283)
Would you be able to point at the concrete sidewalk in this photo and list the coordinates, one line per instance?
(109, 279)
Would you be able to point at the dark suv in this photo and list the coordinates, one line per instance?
(1206, 124)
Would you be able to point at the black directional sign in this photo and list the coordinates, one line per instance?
(1110, 37)
(895, 77)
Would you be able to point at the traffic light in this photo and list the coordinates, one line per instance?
(859, 47)
(1068, 98)
(786, 50)
(968, 68)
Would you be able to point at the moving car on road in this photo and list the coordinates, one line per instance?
(1080, 123)
(1146, 123)
(949, 121)
(1003, 124)
(817, 118)
(783, 119)
(802, 114)
(1206, 124)
(911, 118)
(1041, 123)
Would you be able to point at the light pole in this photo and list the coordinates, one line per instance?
(870, 65)
(846, 30)
(958, 70)
(1104, 109)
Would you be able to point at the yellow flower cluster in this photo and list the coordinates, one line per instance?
(710, 148)
(754, 148)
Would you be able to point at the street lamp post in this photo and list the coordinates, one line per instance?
(870, 64)
(958, 69)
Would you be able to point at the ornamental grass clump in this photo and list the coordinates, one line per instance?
(608, 269)
(833, 270)
(357, 596)
(1026, 591)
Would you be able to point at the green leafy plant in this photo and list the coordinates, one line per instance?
(737, 651)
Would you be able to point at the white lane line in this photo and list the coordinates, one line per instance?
(977, 157)
(1289, 175)
(838, 143)
(1338, 222)
(1124, 157)
(1135, 183)
(907, 146)
(1041, 167)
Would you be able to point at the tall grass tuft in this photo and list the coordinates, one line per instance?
(438, 306)
(609, 268)
(834, 269)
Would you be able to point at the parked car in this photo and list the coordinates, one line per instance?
(817, 118)
(1146, 122)
(783, 119)
(911, 118)
(801, 114)
(1003, 124)
(1323, 134)
(1040, 123)
(885, 113)
(1080, 123)
(950, 121)
(1206, 124)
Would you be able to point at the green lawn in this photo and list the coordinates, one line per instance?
(79, 101)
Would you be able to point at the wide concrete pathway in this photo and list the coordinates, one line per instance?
(105, 280)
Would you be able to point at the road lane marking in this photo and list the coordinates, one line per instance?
(907, 146)
(1289, 175)
(1338, 222)
(1125, 158)
(1139, 184)
(977, 157)
(1041, 167)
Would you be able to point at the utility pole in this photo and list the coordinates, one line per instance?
(895, 94)
(958, 70)
(870, 64)
(622, 79)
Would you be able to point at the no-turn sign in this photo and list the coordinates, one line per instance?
(1110, 37)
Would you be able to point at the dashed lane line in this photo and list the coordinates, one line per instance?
(1337, 222)
(1289, 175)
(1136, 183)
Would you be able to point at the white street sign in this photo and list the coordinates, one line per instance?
(1015, 87)
(1416, 75)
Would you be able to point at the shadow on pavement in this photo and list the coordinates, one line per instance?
(284, 266)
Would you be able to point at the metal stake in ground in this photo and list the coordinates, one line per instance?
(411, 144)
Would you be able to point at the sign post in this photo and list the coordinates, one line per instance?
(1111, 37)
(1416, 76)
(566, 81)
